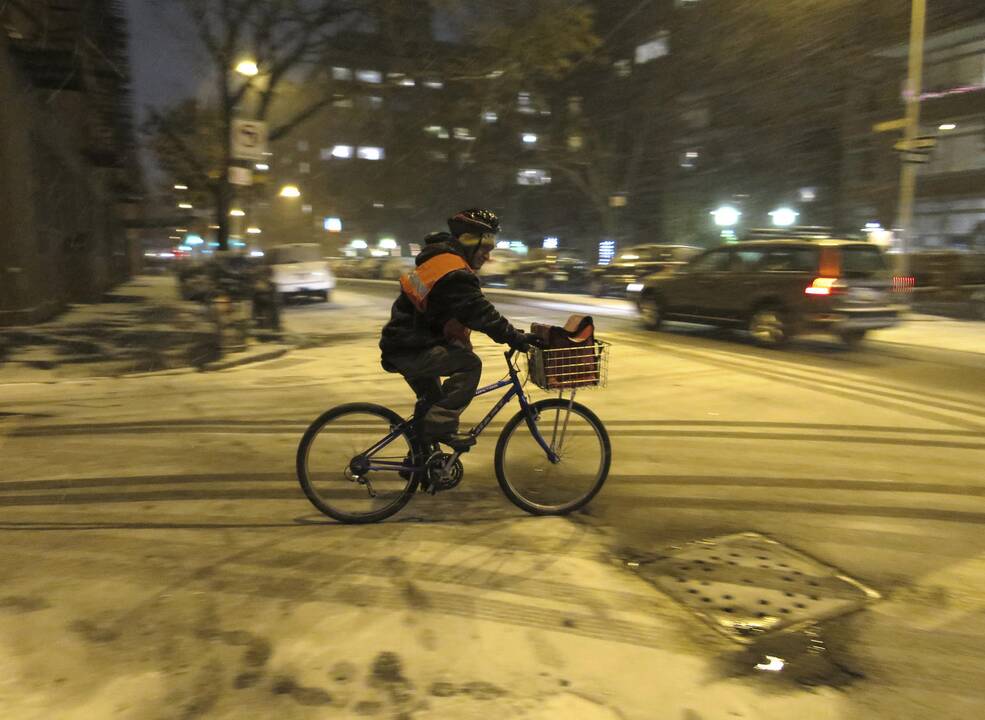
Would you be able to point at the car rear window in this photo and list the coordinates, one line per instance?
(297, 254)
(861, 261)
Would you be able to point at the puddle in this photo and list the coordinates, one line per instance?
(803, 658)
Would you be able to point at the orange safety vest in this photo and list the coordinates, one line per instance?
(417, 285)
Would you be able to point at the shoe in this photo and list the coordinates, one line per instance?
(460, 442)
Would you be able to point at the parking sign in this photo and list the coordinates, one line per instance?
(249, 139)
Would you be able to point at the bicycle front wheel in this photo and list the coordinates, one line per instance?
(535, 484)
(339, 463)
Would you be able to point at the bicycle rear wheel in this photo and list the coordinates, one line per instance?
(535, 484)
(334, 457)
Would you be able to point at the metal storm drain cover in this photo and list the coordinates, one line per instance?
(747, 585)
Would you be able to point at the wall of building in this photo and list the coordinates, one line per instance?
(61, 239)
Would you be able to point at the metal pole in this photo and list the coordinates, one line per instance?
(908, 174)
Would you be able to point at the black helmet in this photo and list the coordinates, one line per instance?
(475, 221)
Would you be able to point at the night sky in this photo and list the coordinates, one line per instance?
(164, 55)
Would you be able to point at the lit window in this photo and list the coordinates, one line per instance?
(533, 176)
(489, 116)
(438, 155)
(341, 73)
(524, 103)
(574, 104)
(369, 76)
(341, 101)
(463, 134)
(689, 159)
(369, 153)
(434, 84)
(575, 142)
(340, 151)
(302, 146)
(622, 68)
(306, 209)
(529, 138)
(374, 102)
(656, 48)
(437, 131)
(332, 224)
(304, 168)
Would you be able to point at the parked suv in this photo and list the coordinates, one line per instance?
(299, 269)
(633, 264)
(777, 289)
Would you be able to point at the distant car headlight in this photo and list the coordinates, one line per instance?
(634, 287)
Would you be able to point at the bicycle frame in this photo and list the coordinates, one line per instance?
(516, 390)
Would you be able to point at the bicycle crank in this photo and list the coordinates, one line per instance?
(443, 471)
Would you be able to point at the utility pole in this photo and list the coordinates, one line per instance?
(908, 173)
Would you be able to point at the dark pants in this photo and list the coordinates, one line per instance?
(423, 372)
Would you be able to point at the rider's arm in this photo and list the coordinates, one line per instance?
(459, 296)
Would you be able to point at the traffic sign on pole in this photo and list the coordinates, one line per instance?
(889, 125)
(924, 143)
(249, 139)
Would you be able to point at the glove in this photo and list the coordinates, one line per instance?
(524, 341)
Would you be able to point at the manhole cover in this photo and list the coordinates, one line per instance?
(747, 585)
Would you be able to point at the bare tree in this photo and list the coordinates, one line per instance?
(285, 39)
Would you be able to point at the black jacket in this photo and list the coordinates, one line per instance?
(456, 296)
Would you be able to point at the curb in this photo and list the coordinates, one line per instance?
(246, 358)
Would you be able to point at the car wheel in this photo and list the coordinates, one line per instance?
(768, 326)
(540, 284)
(852, 338)
(651, 312)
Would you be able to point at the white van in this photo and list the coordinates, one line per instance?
(299, 269)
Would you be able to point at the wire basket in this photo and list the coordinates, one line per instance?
(583, 366)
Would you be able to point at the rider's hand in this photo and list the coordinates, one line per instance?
(524, 341)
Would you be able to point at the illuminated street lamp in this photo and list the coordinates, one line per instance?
(784, 217)
(185, 206)
(236, 212)
(254, 230)
(247, 67)
(179, 186)
(726, 216)
(290, 191)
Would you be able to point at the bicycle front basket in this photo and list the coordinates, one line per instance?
(581, 366)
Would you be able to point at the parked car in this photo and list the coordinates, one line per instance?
(499, 266)
(393, 267)
(634, 263)
(368, 268)
(299, 269)
(777, 289)
(545, 270)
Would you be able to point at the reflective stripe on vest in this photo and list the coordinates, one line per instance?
(418, 284)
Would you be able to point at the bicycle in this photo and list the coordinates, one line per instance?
(361, 462)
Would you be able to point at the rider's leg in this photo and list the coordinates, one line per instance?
(461, 366)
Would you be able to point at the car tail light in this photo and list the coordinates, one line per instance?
(822, 286)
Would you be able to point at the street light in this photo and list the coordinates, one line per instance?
(247, 67)
(253, 230)
(236, 212)
(290, 191)
(726, 216)
(185, 206)
(180, 187)
(947, 126)
(784, 217)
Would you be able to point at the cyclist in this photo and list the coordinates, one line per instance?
(440, 303)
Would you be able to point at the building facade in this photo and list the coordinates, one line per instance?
(69, 175)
